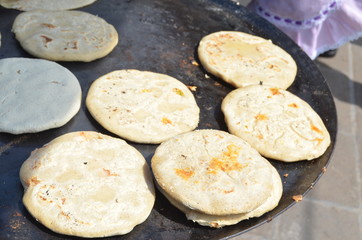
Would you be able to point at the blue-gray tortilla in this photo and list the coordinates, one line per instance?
(36, 95)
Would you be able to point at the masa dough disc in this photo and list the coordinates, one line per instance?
(65, 35)
(142, 106)
(88, 184)
(217, 221)
(29, 5)
(243, 59)
(213, 172)
(36, 95)
(277, 123)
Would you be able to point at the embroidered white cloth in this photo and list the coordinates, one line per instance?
(315, 25)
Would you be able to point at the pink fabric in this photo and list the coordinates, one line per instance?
(315, 25)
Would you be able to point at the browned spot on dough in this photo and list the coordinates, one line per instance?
(46, 40)
(293, 105)
(72, 45)
(109, 173)
(227, 161)
(166, 121)
(65, 215)
(48, 25)
(314, 128)
(34, 180)
(184, 173)
(229, 191)
(275, 91)
(261, 117)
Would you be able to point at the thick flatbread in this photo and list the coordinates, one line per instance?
(213, 172)
(65, 35)
(29, 5)
(142, 106)
(277, 123)
(216, 221)
(88, 184)
(242, 59)
(36, 95)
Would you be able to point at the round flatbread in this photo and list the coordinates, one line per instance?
(88, 184)
(142, 106)
(65, 35)
(212, 172)
(216, 221)
(275, 122)
(53, 5)
(36, 95)
(242, 59)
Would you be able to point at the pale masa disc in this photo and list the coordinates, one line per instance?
(142, 106)
(277, 123)
(217, 221)
(88, 184)
(65, 35)
(243, 59)
(29, 5)
(213, 172)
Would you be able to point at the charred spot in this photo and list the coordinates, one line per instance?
(48, 25)
(46, 40)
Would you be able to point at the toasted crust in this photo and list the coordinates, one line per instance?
(65, 35)
(212, 172)
(87, 184)
(53, 5)
(36, 95)
(243, 59)
(142, 106)
(277, 123)
(216, 221)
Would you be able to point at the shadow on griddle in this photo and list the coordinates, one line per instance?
(345, 89)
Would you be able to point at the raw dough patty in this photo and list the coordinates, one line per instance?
(213, 172)
(88, 184)
(242, 59)
(65, 35)
(217, 221)
(275, 122)
(29, 5)
(142, 106)
(36, 95)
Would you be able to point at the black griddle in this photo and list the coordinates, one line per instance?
(162, 36)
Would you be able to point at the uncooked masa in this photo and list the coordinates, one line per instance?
(36, 95)
(88, 184)
(30, 5)
(65, 35)
(142, 106)
(216, 178)
(277, 123)
(243, 59)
